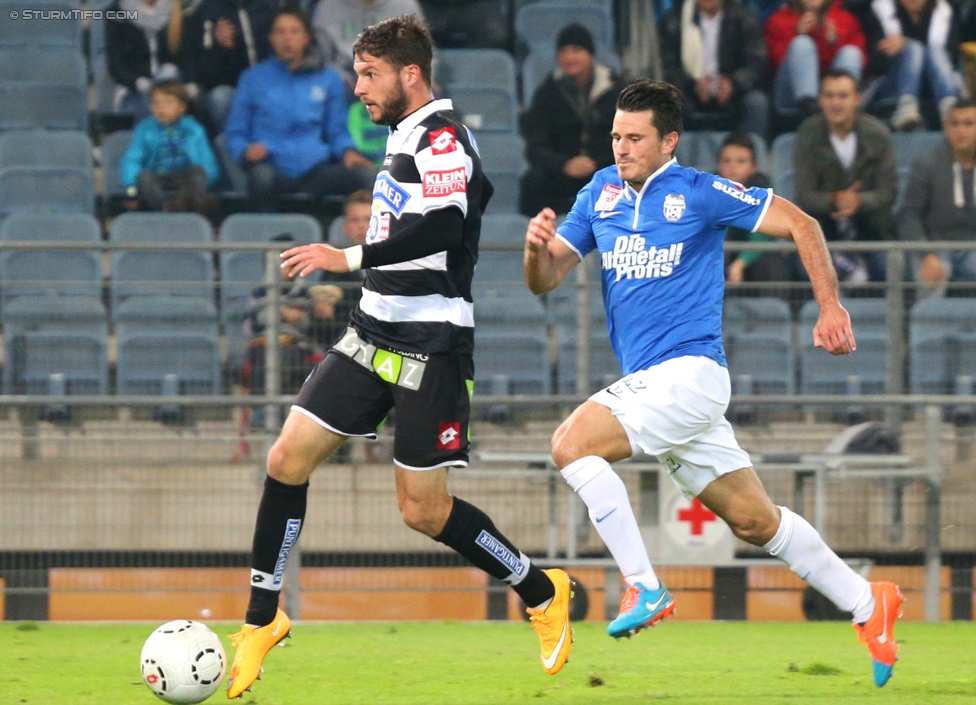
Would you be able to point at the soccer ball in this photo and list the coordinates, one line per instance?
(183, 662)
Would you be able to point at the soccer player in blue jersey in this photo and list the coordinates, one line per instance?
(659, 228)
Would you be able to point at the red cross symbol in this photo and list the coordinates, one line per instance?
(698, 514)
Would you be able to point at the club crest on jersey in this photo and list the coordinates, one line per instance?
(443, 141)
(379, 228)
(674, 207)
(608, 197)
(390, 193)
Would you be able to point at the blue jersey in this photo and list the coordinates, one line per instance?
(663, 271)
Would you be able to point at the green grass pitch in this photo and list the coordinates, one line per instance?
(497, 663)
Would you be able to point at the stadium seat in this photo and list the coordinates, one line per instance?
(46, 190)
(70, 227)
(511, 353)
(51, 65)
(758, 335)
(161, 272)
(263, 227)
(486, 107)
(908, 147)
(113, 149)
(537, 25)
(34, 148)
(562, 312)
(503, 229)
(43, 88)
(781, 162)
(503, 159)
(186, 314)
(31, 322)
(700, 149)
(476, 67)
(942, 345)
(65, 31)
(498, 273)
(161, 228)
(863, 373)
(168, 363)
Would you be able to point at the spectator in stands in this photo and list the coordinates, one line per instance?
(468, 24)
(567, 127)
(918, 44)
(294, 331)
(222, 39)
(288, 122)
(940, 200)
(338, 22)
(169, 165)
(142, 50)
(355, 228)
(807, 38)
(737, 162)
(714, 51)
(845, 175)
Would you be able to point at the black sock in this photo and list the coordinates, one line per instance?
(471, 533)
(279, 523)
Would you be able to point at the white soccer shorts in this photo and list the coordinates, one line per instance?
(674, 411)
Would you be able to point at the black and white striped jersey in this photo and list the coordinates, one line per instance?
(424, 305)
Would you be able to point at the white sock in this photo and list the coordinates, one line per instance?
(799, 546)
(605, 497)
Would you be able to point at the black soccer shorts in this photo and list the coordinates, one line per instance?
(353, 389)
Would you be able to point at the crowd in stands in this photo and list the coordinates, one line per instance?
(248, 105)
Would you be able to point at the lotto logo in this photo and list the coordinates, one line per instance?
(443, 141)
(444, 183)
(449, 436)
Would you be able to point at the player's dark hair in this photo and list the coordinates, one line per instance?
(403, 41)
(299, 14)
(173, 88)
(739, 139)
(663, 99)
(841, 73)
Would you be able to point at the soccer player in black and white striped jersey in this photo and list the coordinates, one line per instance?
(408, 347)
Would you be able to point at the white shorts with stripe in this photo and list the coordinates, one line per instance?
(675, 412)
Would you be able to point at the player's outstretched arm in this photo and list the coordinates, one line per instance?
(785, 220)
(547, 259)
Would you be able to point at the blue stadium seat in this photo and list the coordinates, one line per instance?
(30, 323)
(758, 336)
(263, 227)
(503, 229)
(498, 273)
(168, 363)
(537, 25)
(39, 272)
(781, 159)
(161, 228)
(56, 362)
(161, 272)
(908, 147)
(503, 159)
(53, 65)
(46, 190)
(861, 373)
(46, 106)
(472, 67)
(185, 314)
(511, 353)
(43, 31)
(942, 345)
(487, 108)
(113, 149)
(34, 148)
(700, 149)
(562, 313)
(69, 227)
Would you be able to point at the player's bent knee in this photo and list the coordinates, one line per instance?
(565, 447)
(287, 466)
(753, 529)
(420, 517)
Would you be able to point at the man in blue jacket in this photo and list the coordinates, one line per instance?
(288, 122)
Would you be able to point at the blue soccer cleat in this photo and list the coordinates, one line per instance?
(641, 607)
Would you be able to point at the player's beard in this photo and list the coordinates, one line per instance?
(394, 108)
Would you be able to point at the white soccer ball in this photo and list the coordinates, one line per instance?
(183, 662)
